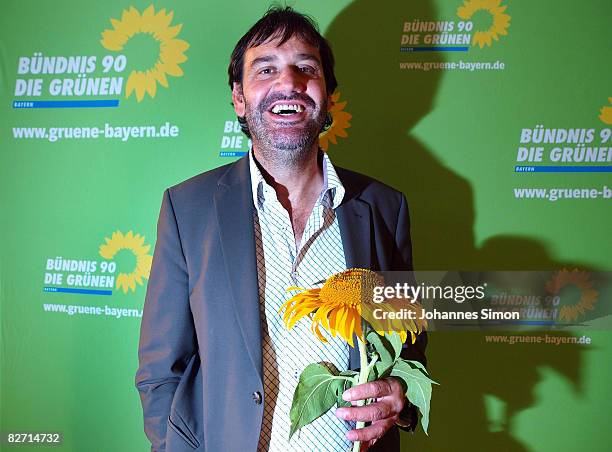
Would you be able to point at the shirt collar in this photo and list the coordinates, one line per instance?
(331, 195)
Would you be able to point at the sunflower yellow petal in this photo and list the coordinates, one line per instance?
(132, 284)
(131, 21)
(341, 322)
(358, 328)
(171, 52)
(162, 20)
(131, 83)
(322, 316)
(140, 91)
(111, 40)
(122, 283)
(148, 14)
(165, 34)
(150, 84)
(332, 322)
(317, 331)
(297, 316)
(348, 327)
(292, 288)
(159, 75)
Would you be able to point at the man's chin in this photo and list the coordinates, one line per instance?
(290, 139)
(291, 145)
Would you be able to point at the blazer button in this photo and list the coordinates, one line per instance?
(257, 397)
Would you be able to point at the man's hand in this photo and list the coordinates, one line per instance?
(389, 400)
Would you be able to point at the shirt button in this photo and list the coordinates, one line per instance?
(257, 397)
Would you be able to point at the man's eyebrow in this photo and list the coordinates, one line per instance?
(308, 56)
(269, 58)
(263, 59)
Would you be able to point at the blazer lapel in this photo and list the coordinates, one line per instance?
(234, 207)
(355, 228)
(354, 222)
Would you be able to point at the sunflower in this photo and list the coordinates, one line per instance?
(606, 113)
(340, 305)
(500, 21)
(134, 243)
(339, 124)
(171, 50)
(588, 295)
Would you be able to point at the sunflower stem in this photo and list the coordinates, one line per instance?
(372, 363)
(364, 371)
(343, 377)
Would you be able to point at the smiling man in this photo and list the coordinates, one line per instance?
(217, 368)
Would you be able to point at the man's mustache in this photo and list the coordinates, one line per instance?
(268, 101)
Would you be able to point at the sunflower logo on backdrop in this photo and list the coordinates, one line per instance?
(151, 40)
(606, 112)
(588, 295)
(490, 11)
(134, 244)
(340, 122)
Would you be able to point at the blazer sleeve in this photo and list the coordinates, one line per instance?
(167, 335)
(402, 261)
(402, 257)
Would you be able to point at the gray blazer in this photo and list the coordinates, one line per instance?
(200, 363)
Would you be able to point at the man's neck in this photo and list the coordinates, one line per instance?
(297, 186)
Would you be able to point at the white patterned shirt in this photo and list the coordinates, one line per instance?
(280, 264)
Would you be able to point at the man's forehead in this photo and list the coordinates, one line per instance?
(273, 47)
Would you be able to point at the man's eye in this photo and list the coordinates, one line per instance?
(266, 71)
(308, 69)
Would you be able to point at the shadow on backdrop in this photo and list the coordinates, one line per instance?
(386, 103)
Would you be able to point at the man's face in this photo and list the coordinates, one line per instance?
(283, 97)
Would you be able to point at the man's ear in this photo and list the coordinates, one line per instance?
(238, 99)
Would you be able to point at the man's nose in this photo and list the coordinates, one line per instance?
(292, 79)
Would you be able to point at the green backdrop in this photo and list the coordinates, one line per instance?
(105, 104)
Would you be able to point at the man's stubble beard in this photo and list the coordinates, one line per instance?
(289, 150)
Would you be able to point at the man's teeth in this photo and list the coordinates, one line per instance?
(287, 109)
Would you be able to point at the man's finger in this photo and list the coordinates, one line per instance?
(371, 390)
(369, 413)
(370, 433)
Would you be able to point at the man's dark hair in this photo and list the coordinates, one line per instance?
(283, 23)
